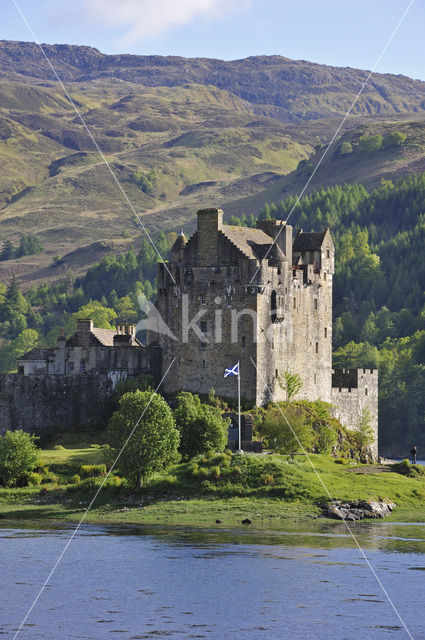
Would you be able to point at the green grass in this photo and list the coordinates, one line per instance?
(270, 490)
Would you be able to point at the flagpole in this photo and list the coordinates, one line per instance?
(239, 406)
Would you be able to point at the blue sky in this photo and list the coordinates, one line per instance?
(341, 33)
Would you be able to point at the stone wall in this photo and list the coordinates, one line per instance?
(41, 404)
(354, 390)
(283, 313)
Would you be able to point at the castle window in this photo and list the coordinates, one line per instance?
(82, 366)
(279, 271)
(203, 364)
(295, 303)
(21, 371)
(365, 391)
(204, 326)
(326, 332)
(328, 253)
(203, 300)
(243, 342)
(315, 378)
(324, 276)
(277, 373)
(202, 345)
(70, 367)
(315, 303)
(273, 302)
(317, 347)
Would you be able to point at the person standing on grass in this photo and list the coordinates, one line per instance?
(413, 451)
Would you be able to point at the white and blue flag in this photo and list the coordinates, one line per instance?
(232, 372)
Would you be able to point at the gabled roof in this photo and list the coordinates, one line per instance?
(104, 336)
(253, 243)
(309, 240)
(38, 354)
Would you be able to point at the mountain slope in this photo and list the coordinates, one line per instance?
(290, 90)
(179, 134)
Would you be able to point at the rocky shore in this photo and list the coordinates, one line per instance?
(358, 510)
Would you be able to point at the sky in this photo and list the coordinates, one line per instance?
(340, 33)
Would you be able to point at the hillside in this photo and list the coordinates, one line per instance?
(179, 134)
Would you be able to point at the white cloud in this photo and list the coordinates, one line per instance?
(146, 19)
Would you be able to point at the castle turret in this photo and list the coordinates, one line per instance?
(178, 247)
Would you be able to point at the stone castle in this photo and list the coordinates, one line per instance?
(228, 294)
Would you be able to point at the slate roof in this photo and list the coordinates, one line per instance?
(180, 242)
(309, 240)
(253, 243)
(104, 336)
(38, 354)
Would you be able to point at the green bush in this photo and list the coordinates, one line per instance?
(215, 473)
(266, 479)
(370, 143)
(236, 472)
(201, 427)
(49, 477)
(58, 447)
(395, 139)
(18, 456)
(34, 479)
(92, 470)
(345, 148)
(202, 474)
(75, 479)
(406, 469)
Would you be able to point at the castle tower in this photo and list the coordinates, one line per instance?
(232, 293)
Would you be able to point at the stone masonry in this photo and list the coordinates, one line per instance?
(232, 294)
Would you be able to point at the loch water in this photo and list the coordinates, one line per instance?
(308, 581)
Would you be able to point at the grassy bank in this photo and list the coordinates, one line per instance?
(270, 490)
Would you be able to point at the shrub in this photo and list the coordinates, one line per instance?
(201, 427)
(18, 456)
(266, 479)
(345, 148)
(92, 470)
(215, 473)
(48, 477)
(289, 435)
(75, 479)
(202, 474)
(34, 479)
(58, 447)
(370, 143)
(326, 438)
(395, 139)
(236, 472)
(406, 469)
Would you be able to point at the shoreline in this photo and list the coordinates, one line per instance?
(197, 512)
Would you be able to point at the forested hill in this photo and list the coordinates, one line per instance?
(379, 299)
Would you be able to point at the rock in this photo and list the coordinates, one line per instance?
(246, 521)
(358, 510)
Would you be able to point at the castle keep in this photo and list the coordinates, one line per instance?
(261, 298)
(267, 304)
(228, 294)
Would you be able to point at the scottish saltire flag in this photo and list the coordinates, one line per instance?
(232, 372)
